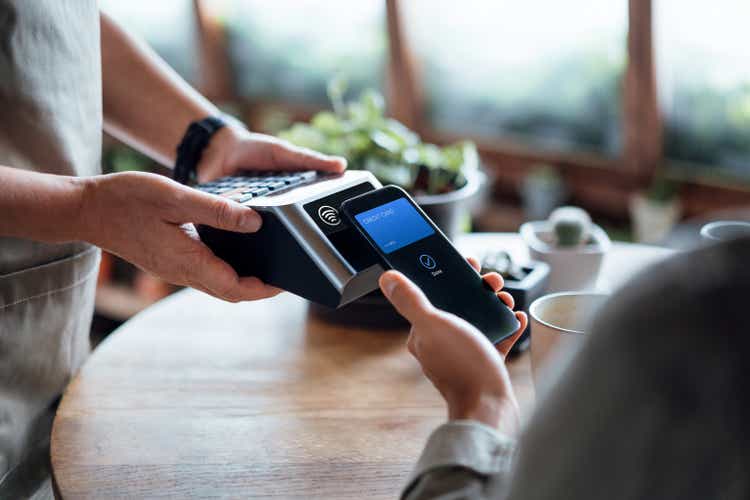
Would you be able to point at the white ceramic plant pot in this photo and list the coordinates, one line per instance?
(652, 220)
(571, 269)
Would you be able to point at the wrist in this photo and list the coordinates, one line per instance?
(45, 208)
(218, 155)
(88, 211)
(224, 142)
(499, 412)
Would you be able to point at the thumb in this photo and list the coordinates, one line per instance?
(406, 297)
(211, 210)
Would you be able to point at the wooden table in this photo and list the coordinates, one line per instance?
(195, 397)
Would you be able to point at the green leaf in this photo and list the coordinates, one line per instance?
(305, 136)
(359, 142)
(368, 111)
(411, 155)
(397, 128)
(386, 141)
(336, 89)
(461, 156)
(337, 146)
(430, 155)
(390, 173)
(373, 101)
(328, 123)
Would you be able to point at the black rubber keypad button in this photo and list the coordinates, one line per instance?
(248, 185)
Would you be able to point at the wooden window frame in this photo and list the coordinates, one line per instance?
(214, 73)
(600, 183)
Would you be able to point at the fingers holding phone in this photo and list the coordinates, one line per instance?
(496, 283)
(468, 371)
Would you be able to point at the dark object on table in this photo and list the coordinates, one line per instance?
(371, 311)
(525, 284)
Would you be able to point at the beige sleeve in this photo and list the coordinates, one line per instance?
(462, 459)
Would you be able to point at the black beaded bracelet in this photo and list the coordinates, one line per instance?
(190, 150)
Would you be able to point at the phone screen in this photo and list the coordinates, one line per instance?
(394, 225)
(409, 242)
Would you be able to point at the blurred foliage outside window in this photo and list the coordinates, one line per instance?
(168, 26)
(288, 50)
(544, 74)
(703, 73)
(547, 74)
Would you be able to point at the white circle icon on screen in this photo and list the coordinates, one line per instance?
(427, 261)
(329, 215)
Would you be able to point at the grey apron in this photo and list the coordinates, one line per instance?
(50, 121)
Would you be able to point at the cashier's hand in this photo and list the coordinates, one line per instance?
(234, 148)
(458, 359)
(147, 220)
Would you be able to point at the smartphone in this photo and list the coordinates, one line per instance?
(407, 240)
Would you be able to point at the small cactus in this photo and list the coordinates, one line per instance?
(571, 226)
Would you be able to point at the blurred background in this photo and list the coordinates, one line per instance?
(637, 111)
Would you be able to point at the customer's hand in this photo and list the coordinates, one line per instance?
(461, 363)
(233, 149)
(147, 219)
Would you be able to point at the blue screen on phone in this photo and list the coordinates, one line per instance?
(394, 225)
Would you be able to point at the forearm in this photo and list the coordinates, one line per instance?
(40, 207)
(146, 104)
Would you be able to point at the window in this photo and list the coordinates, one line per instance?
(547, 74)
(167, 25)
(703, 73)
(290, 49)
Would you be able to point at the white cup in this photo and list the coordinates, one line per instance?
(557, 321)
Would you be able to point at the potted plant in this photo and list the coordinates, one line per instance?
(525, 283)
(656, 211)
(445, 181)
(570, 244)
(542, 191)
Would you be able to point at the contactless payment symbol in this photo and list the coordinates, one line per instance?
(329, 215)
(427, 261)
